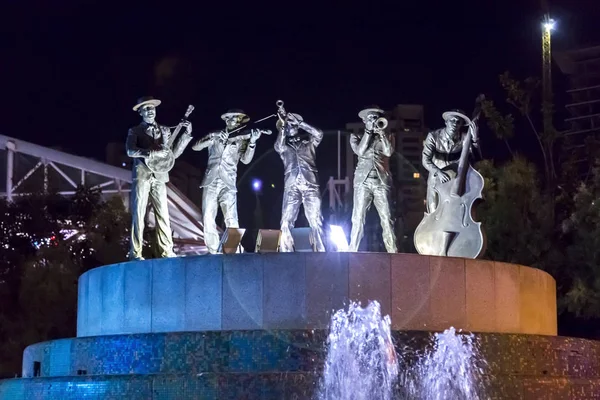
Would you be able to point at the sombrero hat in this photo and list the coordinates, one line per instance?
(234, 112)
(370, 110)
(456, 113)
(142, 101)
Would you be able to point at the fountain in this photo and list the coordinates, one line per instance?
(362, 363)
(254, 326)
(451, 370)
(361, 360)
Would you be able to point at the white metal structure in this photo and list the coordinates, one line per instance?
(33, 168)
(339, 187)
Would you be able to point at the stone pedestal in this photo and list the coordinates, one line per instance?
(300, 290)
(253, 326)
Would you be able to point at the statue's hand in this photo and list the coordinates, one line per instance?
(187, 125)
(158, 153)
(254, 135)
(474, 130)
(223, 136)
(291, 118)
(281, 114)
(443, 177)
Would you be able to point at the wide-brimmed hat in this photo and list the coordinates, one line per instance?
(372, 109)
(456, 113)
(233, 112)
(142, 101)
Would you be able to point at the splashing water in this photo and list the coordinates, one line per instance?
(451, 371)
(362, 363)
(361, 360)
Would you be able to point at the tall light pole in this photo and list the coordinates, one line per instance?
(548, 135)
(547, 28)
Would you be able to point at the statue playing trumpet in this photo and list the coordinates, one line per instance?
(372, 180)
(301, 184)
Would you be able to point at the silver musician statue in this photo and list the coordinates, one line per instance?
(153, 149)
(442, 150)
(219, 183)
(448, 227)
(301, 184)
(372, 181)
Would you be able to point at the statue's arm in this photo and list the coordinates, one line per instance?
(132, 148)
(428, 151)
(248, 148)
(474, 132)
(388, 149)
(181, 144)
(280, 140)
(360, 145)
(204, 142)
(316, 135)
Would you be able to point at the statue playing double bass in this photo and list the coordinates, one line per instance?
(448, 227)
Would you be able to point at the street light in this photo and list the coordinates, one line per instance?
(549, 25)
(256, 185)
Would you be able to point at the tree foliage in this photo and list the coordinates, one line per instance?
(547, 218)
(581, 230)
(514, 213)
(48, 241)
(521, 97)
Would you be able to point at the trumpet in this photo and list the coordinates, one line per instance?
(380, 123)
(280, 110)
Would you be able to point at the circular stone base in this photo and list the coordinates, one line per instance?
(300, 290)
(282, 364)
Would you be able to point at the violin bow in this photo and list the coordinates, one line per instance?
(252, 123)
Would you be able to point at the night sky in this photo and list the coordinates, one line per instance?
(70, 71)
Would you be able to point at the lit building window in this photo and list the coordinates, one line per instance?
(416, 175)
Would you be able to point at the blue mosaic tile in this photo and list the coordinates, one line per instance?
(278, 365)
(202, 387)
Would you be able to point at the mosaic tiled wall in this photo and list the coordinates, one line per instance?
(276, 386)
(178, 353)
(277, 365)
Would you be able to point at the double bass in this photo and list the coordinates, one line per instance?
(451, 230)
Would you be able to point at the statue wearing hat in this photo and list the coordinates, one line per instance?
(145, 141)
(454, 187)
(372, 181)
(442, 150)
(301, 184)
(219, 183)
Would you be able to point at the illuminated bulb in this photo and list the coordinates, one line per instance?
(549, 25)
(256, 185)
